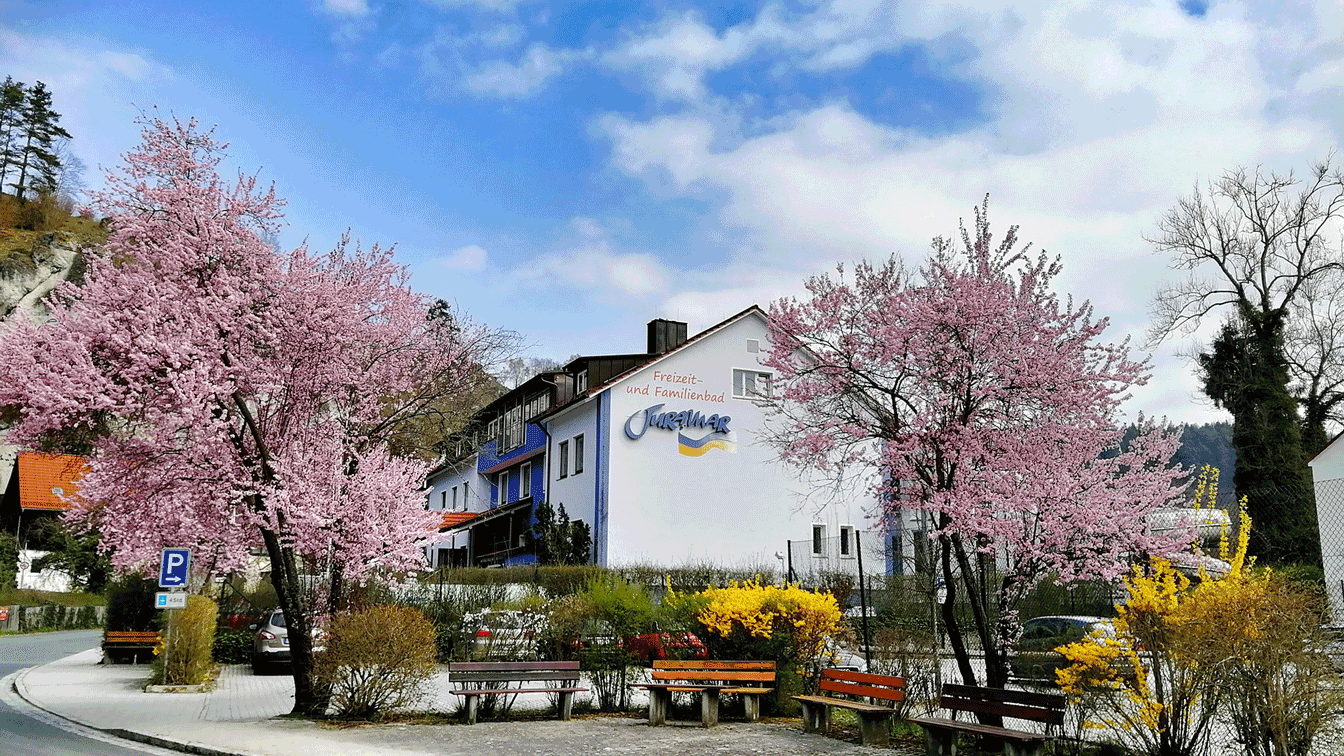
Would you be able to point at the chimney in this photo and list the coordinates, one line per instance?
(665, 335)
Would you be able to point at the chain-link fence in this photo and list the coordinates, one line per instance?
(1330, 526)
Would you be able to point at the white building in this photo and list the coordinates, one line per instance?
(1327, 472)
(659, 452)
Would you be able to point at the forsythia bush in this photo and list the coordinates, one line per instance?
(1243, 647)
(377, 660)
(775, 623)
(185, 656)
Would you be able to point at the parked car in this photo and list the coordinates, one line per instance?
(835, 657)
(1035, 655)
(658, 645)
(270, 646)
(504, 634)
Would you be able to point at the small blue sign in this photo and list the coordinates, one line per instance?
(173, 568)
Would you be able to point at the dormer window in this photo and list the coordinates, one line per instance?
(581, 381)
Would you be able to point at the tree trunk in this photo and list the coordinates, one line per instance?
(310, 699)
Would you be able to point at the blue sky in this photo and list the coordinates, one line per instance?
(570, 170)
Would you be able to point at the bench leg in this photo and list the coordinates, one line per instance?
(471, 709)
(709, 707)
(660, 700)
(816, 716)
(876, 729)
(751, 706)
(566, 705)
(938, 742)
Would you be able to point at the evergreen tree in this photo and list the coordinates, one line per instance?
(11, 121)
(1245, 372)
(38, 132)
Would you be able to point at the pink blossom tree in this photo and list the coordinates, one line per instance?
(236, 395)
(978, 396)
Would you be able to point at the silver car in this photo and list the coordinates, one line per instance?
(270, 646)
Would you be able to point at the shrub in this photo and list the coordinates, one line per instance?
(751, 621)
(185, 654)
(1246, 646)
(9, 561)
(904, 652)
(130, 604)
(377, 660)
(233, 646)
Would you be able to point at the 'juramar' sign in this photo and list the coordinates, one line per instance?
(639, 422)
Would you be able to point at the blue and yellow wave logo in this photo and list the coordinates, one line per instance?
(695, 447)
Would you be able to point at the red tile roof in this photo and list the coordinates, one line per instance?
(45, 478)
(452, 520)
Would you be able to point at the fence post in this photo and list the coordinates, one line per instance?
(863, 606)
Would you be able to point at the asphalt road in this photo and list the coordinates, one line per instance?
(27, 732)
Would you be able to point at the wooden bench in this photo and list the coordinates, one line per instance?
(117, 644)
(556, 677)
(874, 720)
(940, 735)
(710, 679)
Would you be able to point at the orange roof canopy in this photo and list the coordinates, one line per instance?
(45, 478)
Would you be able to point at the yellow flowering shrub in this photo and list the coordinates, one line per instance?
(1243, 646)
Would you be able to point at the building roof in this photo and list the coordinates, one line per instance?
(45, 479)
(653, 360)
(453, 520)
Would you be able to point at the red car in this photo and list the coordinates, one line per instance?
(656, 646)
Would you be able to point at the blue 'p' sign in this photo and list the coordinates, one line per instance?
(173, 568)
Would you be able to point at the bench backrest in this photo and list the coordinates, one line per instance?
(1019, 704)
(132, 636)
(512, 671)
(863, 684)
(714, 671)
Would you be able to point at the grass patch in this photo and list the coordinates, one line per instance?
(39, 598)
(24, 224)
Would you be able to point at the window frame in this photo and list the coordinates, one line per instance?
(563, 462)
(758, 377)
(578, 454)
(819, 539)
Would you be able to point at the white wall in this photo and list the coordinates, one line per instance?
(1327, 470)
(736, 508)
(577, 491)
(46, 580)
(440, 498)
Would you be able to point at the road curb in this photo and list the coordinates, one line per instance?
(21, 689)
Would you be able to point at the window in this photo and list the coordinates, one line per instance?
(443, 498)
(847, 540)
(819, 540)
(564, 459)
(578, 454)
(748, 384)
(454, 498)
(525, 480)
(503, 488)
(753, 346)
(464, 496)
(444, 556)
(581, 382)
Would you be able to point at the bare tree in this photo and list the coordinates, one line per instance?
(1261, 250)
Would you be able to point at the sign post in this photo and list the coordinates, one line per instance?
(173, 570)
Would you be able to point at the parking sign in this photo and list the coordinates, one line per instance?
(173, 568)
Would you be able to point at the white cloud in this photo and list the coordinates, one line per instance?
(346, 7)
(470, 257)
(537, 66)
(1099, 117)
(494, 6)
